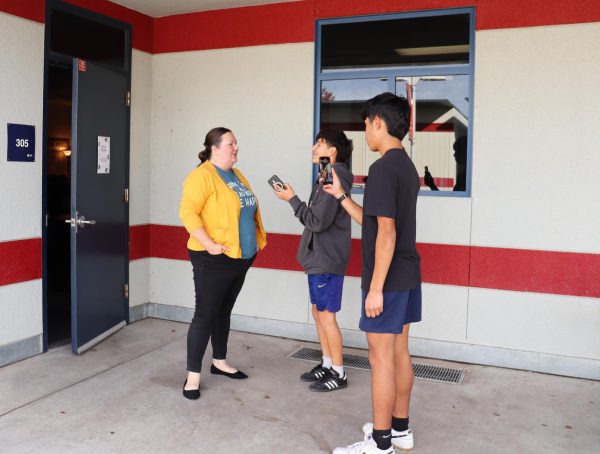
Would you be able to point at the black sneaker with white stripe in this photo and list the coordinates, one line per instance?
(330, 382)
(315, 374)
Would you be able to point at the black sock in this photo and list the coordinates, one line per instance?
(399, 424)
(383, 438)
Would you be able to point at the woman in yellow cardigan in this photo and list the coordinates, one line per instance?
(221, 214)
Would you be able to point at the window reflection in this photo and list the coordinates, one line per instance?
(341, 103)
(437, 140)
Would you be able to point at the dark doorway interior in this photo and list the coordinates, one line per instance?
(58, 173)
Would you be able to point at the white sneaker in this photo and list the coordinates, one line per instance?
(401, 440)
(367, 446)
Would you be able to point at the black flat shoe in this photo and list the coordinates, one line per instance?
(191, 394)
(239, 375)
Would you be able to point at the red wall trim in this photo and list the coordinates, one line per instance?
(294, 22)
(168, 242)
(521, 270)
(20, 261)
(250, 26)
(326, 9)
(490, 14)
(444, 263)
(139, 241)
(562, 273)
(493, 14)
(283, 253)
(28, 9)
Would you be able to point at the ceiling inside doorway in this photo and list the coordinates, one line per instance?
(160, 8)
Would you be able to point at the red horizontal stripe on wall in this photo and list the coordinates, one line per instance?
(168, 242)
(20, 261)
(236, 27)
(441, 264)
(563, 273)
(518, 13)
(491, 14)
(280, 253)
(355, 264)
(139, 241)
(294, 22)
(444, 263)
(27, 9)
(340, 8)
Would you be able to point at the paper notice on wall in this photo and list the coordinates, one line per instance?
(103, 154)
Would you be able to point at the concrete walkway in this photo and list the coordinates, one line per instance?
(124, 396)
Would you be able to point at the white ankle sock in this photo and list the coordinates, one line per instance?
(339, 370)
(327, 362)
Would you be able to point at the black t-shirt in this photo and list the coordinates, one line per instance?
(391, 191)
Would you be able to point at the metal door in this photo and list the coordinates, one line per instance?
(99, 211)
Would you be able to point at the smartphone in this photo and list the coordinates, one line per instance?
(276, 183)
(325, 173)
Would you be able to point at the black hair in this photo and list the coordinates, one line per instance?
(336, 138)
(392, 109)
(213, 137)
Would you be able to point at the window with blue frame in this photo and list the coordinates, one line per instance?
(426, 57)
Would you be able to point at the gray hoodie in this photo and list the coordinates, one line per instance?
(325, 244)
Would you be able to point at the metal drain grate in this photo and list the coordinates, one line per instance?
(424, 371)
(437, 373)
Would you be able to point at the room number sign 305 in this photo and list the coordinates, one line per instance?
(21, 143)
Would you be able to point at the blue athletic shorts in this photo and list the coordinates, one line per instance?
(326, 291)
(399, 308)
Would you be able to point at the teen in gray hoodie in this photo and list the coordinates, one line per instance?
(324, 252)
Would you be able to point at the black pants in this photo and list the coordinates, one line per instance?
(218, 280)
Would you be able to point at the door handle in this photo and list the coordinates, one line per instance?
(82, 222)
(79, 221)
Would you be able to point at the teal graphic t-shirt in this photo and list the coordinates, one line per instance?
(248, 204)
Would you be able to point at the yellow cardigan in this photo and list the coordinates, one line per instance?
(208, 202)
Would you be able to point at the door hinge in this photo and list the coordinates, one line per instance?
(126, 195)
(126, 291)
(128, 98)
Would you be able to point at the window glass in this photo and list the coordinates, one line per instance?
(425, 57)
(437, 139)
(341, 103)
(409, 41)
(78, 37)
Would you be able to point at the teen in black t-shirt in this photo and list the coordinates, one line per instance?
(391, 278)
(391, 191)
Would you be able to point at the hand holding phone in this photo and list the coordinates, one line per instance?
(325, 173)
(276, 183)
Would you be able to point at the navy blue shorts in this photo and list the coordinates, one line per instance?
(399, 308)
(326, 291)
